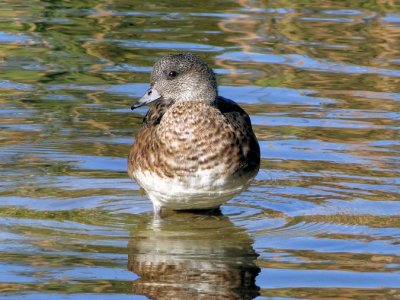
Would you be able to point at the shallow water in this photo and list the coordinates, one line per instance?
(321, 83)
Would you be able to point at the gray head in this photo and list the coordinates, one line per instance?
(181, 77)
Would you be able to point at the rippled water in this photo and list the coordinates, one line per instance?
(321, 83)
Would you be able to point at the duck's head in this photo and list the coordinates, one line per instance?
(180, 78)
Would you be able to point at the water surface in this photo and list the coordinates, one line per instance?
(321, 83)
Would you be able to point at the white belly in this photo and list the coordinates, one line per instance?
(201, 190)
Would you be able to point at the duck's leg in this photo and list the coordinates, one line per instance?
(156, 206)
(156, 211)
(156, 215)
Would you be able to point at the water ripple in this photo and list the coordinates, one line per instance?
(307, 63)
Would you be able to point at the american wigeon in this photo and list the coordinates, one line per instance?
(196, 149)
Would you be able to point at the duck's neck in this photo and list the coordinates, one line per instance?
(206, 94)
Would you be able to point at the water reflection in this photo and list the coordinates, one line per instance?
(193, 255)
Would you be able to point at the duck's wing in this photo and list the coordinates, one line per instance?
(241, 123)
(233, 112)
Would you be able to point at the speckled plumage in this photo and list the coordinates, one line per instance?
(196, 150)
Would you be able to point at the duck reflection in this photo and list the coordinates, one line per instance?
(190, 255)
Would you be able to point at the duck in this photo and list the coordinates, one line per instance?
(195, 149)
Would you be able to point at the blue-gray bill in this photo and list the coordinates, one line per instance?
(148, 97)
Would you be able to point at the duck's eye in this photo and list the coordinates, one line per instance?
(172, 74)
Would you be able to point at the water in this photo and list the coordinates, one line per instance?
(321, 83)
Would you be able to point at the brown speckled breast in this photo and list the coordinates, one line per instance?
(179, 139)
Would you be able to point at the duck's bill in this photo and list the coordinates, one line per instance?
(148, 97)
